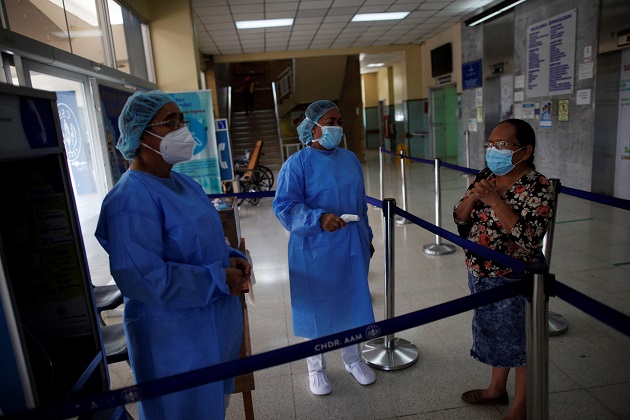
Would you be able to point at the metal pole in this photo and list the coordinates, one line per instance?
(538, 348)
(557, 323)
(380, 161)
(399, 219)
(467, 144)
(389, 352)
(438, 248)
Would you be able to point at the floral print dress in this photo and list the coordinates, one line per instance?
(531, 197)
(499, 328)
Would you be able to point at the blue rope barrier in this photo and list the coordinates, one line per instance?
(517, 265)
(259, 194)
(586, 195)
(460, 168)
(427, 161)
(599, 311)
(598, 198)
(175, 383)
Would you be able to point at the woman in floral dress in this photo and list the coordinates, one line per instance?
(506, 208)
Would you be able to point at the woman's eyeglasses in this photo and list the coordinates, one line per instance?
(172, 124)
(499, 145)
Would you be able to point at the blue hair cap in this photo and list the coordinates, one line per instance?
(139, 110)
(313, 113)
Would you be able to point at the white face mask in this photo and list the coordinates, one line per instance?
(176, 146)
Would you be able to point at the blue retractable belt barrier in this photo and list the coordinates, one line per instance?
(260, 194)
(603, 199)
(156, 388)
(599, 311)
(517, 265)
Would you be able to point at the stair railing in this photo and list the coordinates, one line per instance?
(275, 108)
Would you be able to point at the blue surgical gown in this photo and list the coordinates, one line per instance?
(328, 270)
(168, 255)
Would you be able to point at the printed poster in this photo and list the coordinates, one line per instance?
(551, 56)
(204, 165)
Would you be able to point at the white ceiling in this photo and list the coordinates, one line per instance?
(324, 24)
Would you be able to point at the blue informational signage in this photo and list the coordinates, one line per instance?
(225, 152)
(75, 143)
(204, 165)
(471, 74)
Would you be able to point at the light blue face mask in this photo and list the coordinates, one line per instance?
(331, 136)
(500, 161)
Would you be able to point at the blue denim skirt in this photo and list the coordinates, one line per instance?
(498, 329)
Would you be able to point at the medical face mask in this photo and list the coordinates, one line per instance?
(176, 146)
(500, 161)
(331, 136)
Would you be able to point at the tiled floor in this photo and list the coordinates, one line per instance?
(589, 371)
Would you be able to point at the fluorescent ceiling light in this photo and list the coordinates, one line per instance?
(492, 12)
(368, 17)
(376, 65)
(267, 23)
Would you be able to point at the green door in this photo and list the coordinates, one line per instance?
(445, 123)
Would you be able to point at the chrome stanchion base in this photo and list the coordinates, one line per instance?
(401, 355)
(557, 324)
(438, 249)
(401, 220)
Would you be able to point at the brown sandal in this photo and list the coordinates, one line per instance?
(476, 397)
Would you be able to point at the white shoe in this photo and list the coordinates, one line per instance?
(361, 372)
(318, 381)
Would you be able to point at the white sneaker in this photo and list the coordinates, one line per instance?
(361, 372)
(318, 381)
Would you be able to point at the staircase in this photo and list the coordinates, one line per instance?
(261, 124)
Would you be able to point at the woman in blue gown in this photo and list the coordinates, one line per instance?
(328, 257)
(169, 258)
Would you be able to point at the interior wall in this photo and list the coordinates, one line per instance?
(454, 36)
(141, 7)
(565, 150)
(174, 47)
(385, 85)
(370, 90)
(319, 78)
(399, 82)
(350, 106)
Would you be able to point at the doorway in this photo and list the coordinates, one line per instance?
(444, 123)
(83, 152)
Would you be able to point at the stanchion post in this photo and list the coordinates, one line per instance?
(399, 219)
(389, 352)
(467, 146)
(538, 345)
(380, 161)
(438, 248)
(557, 323)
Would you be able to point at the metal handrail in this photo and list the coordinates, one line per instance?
(275, 108)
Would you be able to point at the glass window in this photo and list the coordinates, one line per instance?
(46, 23)
(129, 45)
(75, 29)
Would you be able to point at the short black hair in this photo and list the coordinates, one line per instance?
(525, 135)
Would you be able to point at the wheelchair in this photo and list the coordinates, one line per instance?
(250, 176)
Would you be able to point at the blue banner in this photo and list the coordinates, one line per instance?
(204, 165)
(471, 74)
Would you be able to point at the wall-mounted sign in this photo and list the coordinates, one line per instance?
(551, 56)
(471, 74)
(563, 110)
